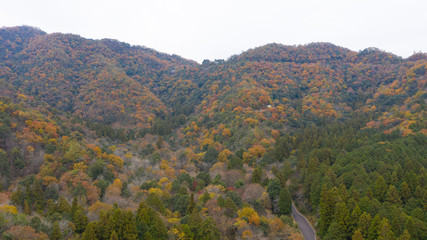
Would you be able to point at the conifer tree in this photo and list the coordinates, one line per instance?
(285, 202)
(357, 235)
(373, 229)
(393, 195)
(405, 236)
(257, 175)
(405, 192)
(384, 230)
(89, 233)
(364, 224)
(230, 208)
(208, 230)
(326, 211)
(114, 236)
(380, 189)
(56, 232)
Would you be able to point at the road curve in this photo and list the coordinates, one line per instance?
(304, 226)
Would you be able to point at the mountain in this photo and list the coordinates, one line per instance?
(93, 131)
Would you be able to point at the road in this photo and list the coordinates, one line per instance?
(304, 226)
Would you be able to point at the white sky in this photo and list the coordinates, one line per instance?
(198, 29)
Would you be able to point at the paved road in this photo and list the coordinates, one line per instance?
(304, 226)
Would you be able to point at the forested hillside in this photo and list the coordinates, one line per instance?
(103, 140)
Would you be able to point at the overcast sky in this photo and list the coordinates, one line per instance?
(217, 29)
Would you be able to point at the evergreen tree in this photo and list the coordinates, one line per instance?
(357, 235)
(380, 189)
(114, 236)
(326, 210)
(384, 230)
(128, 226)
(364, 224)
(208, 230)
(56, 232)
(393, 195)
(405, 236)
(89, 233)
(373, 229)
(285, 202)
(230, 208)
(274, 188)
(257, 175)
(354, 218)
(405, 192)
(343, 219)
(80, 220)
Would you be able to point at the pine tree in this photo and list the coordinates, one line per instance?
(393, 195)
(405, 192)
(128, 226)
(380, 189)
(326, 211)
(343, 219)
(80, 220)
(354, 218)
(405, 236)
(56, 232)
(230, 208)
(114, 236)
(410, 227)
(191, 204)
(285, 202)
(257, 175)
(364, 224)
(384, 230)
(208, 230)
(373, 229)
(357, 235)
(89, 233)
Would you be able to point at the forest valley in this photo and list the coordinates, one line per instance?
(103, 140)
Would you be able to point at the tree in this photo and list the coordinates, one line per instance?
(405, 236)
(393, 195)
(209, 231)
(405, 192)
(89, 233)
(285, 202)
(230, 208)
(210, 155)
(357, 235)
(114, 236)
(274, 188)
(384, 230)
(80, 220)
(364, 224)
(56, 232)
(373, 229)
(326, 211)
(257, 175)
(380, 189)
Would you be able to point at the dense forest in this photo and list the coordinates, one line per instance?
(103, 140)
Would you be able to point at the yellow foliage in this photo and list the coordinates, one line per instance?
(80, 166)
(222, 156)
(128, 155)
(164, 180)
(251, 121)
(247, 234)
(226, 132)
(47, 180)
(8, 209)
(156, 191)
(250, 214)
(276, 225)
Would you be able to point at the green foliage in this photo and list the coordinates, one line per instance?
(285, 202)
